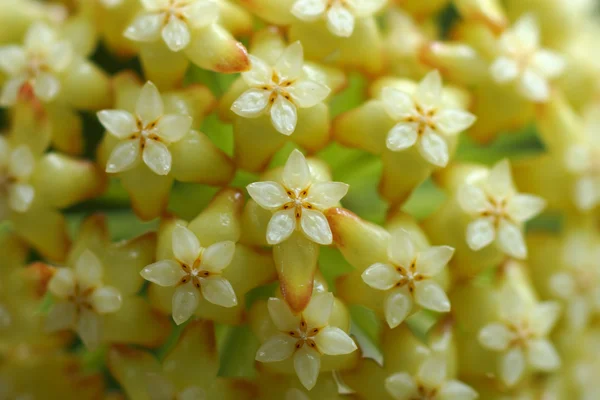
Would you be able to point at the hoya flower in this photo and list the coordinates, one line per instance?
(195, 270)
(279, 90)
(173, 20)
(145, 135)
(305, 337)
(521, 336)
(38, 63)
(16, 168)
(430, 383)
(339, 14)
(523, 62)
(407, 278)
(422, 120)
(81, 299)
(298, 203)
(499, 211)
(111, 3)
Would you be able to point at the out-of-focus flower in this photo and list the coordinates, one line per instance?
(111, 3)
(16, 168)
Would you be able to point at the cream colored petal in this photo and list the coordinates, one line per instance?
(10, 91)
(260, 72)
(365, 8)
(527, 31)
(577, 312)
(316, 227)
(176, 34)
(523, 207)
(39, 37)
(284, 116)
(119, 123)
(499, 182)
(157, 157)
(402, 136)
(201, 13)
(46, 86)
(542, 355)
(60, 56)
(106, 299)
(432, 371)
(307, 363)
(61, 316)
(218, 256)
(431, 261)
(89, 329)
(401, 386)
(334, 341)
(277, 348)
(324, 195)
(307, 93)
(495, 336)
(251, 103)
(13, 60)
(381, 276)
(544, 317)
(149, 107)
(429, 92)
(512, 366)
(289, 64)
(296, 174)
(186, 246)
(145, 28)
(480, 233)
(453, 121)
(398, 305)
(397, 103)
(124, 156)
(401, 250)
(511, 240)
(578, 158)
(534, 86)
(20, 196)
(309, 10)
(154, 5)
(62, 283)
(172, 127)
(281, 225)
(504, 70)
(218, 290)
(431, 296)
(269, 195)
(163, 273)
(192, 393)
(185, 302)
(340, 20)
(587, 193)
(456, 390)
(548, 63)
(562, 285)
(88, 270)
(434, 149)
(472, 199)
(281, 314)
(318, 311)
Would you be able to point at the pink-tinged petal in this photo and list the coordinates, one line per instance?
(185, 302)
(340, 20)
(434, 149)
(324, 195)
(260, 72)
(157, 157)
(511, 240)
(118, 123)
(381, 276)
(398, 104)
(402, 136)
(316, 227)
(284, 116)
(309, 10)
(281, 225)
(282, 316)
(145, 28)
(251, 103)
(429, 92)
(172, 127)
(318, 311)
(269, 195)
(124, 156)
(289, 65)
(334, 341)
(401, 250)
(307, 93)
(480, 233)
(176, 34)
(296, 174)
(163, 273)
(277, 348)
(307, 364)
(401, 386)
(149, 107)
(218, 291)
(186, 246)
(431, 296)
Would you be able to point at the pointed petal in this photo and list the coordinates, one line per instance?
(281, 314)
(172, 127)
(495, 336)
(61, 316)
(562, 285)
(309, 10)
(431, 261)
(453, 121)
(46, 86)
(176, 34)
(284, 116)
(186, 246)
(401, 250)
(432, 371)
(401, 386)
(499, 182)
(534, 86)
(281, 225)
(10, 91)
(185, 302)
(218, 256)
(289, 65)
(587, 193)
(88, 328)
(163, 273)
(60, 56)
(39, 37)
(157, 157)
(296, 174)
(398, 104)
(365, 8)
(544, 317)
(260, 72)
(13, 60)
(149, 107)
(523, 207)
(340, 20)
(480, 233)
(397, 307)
(307, 363)
(145, 28)
(402, 136)
(88, 270)
(380, 276)
(456, 390)
(316, 227)
(472, 199)
(20, 196)
(334, 341)
(527, 31)
(307, 93)
(124, 156)
(512, 366)
(318, 311)
(119, 123)
(251, 103)
(504, 70)
(429, 91)
(106, 299)
(430, 295)
(434, 149)
(511, 240)
(62, 283)
(277, 348)
(201, 13)
(269, 195)
(154, 5)
(548, 63)
(542, 355)
(218, 291)
(324, 195)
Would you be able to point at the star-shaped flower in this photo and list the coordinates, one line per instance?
(298, 203)
(38, 63)
(423, 121)
(305, 337)
(523, 62)
(430, 383)
(339, 14)
(196, 270)
(82, 297)
(279, 90)
(408, 278)
(16, 168)
(148, 133)
(173, 20)
(521, 335)
(499, 211)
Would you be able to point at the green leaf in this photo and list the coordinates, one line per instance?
(366, 328)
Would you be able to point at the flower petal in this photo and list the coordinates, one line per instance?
(124, 156)
(495, 336)
(587, 193)
(432, 371)
(289, 64)
(334, 341)
(380, 276)
(20, 196)
(185, 302)
(318, 311)
(534, 86)
(269, 195)
(106, 299)
(13, 60)
(172, 127)
(176, 34)
(186, 246)
(544, 317)
(307, 363)
(260, 73)
(504, 70)
(163, 273)
(251, 103)
(499, 182)
(542, 355)
(149, 107)
(480, 233)
(512, 366)
(88, 270)
(511, 240)
(324, 195)
(10, 91)
(453, 121)
(434, 149)
(60, 56)
(46, 86)
(402, 136)
(119, 123)
(309, 10)
(472, 199)
(523, 207)
(39, 37)
(281, 225)
(562, 285)
(296, 174)
(401, 386)
(201, 13)
(316, 227)
(281, 314)
(456, 390)
(401, 250)
(397, 103)
(284, 116)
(277, 348)
(431, 261)
(340, 20)
(429, 91)
(307, 93)
(527, 31)
(145, 28)
(397, 307)
(218, 256)
(62, 283)
(365, 8)
(88, 328)
(61, 316)
(218, 290)
(157, 157)
(192, 393)
(548, 63)
(430, 295)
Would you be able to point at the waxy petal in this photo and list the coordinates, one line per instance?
(523, 207)
(61, 316)
(218, 291)
(548, 63)
(472, 199)
(172, 128)
(260, 72)
(527, 31)
(316, 227)
(397, 103)
(185, 302)
(13, 60)
(251, 103)
(269, 195)
(88, 270)
(432, 261)
(62, 283)
(88, 329)
(429, 92)
(512, 366)
(46, 86)
(307, 93)
(201, 13)
(318, 311)
(495, 336)
(20, 196)
(381, 276)
(289, 64)
(534, 86)
(511, 240)
(453, 121)
(397, 307)
(149, 107)
(434, 149)
(340, 20)
(542, 355)
(456, 390)
(432, 371)
(281, 314)
(186, 246)
(296, 174)
(145, 28)
(284, 116)
(504, 70)
(106, 299)
(124, 156)
(10, 91)
(21, 163)
(218, 256)
(307, 363)
(281, 225)
(334, 341)
(430, 295)
(402, 136)
(401, 250)
(163, 273)
(279, 347)
(309, 10)
(118, 123)
(401, 386)
(176, 34)
(480, 233)
(324, 195)
(499, 182)
(157, 157)
(544, 317)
